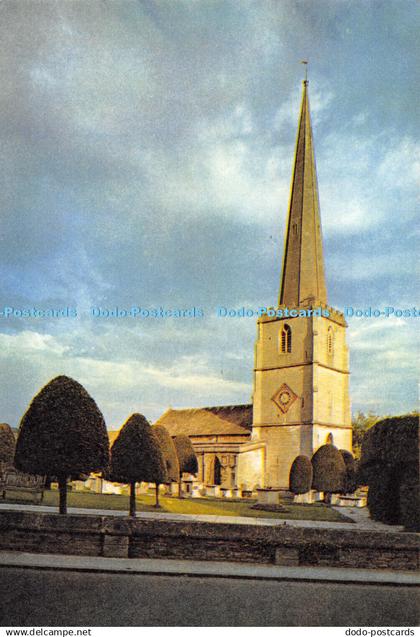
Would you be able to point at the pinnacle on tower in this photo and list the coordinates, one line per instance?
(303, 277)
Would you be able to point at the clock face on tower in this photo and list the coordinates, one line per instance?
(284, 398)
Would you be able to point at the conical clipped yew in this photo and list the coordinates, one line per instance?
(136, 456)
(350, 480)
(300, 477)
(63, 433)
(329, 470)
(169, 452)
(7, 444)
(186, 457)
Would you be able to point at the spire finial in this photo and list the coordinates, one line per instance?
(305, 62)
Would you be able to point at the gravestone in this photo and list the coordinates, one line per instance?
(269, 496)
(17, 485)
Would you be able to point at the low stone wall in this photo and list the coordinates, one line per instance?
(283, 545)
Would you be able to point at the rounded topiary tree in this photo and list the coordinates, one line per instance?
(169, 454)
(350, 480)
(389, 465)
(7, 444)
(329, 470)
(300, 477)
(136, 456)
(62, 433)
(186, 457)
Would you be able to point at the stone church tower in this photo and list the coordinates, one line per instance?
(301, 377)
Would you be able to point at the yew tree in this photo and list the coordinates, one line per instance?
(186, 457)
(350, 480)
(329, 471)
(389, 465)
(7, 444)
(136, 456)
(169, 455)
(62, 434)
(300, 476)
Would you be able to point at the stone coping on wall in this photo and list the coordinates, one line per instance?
(286, 545)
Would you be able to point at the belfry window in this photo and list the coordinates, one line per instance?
(286, 339)
(330, 341)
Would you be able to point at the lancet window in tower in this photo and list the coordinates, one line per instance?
(286, 339)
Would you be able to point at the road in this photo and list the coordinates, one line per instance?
(33, 596)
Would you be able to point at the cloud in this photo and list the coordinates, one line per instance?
(383, 363)
(28, 343)
(362, 180)
(126, 372)
(375, 266)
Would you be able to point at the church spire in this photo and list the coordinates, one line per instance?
(303, 277)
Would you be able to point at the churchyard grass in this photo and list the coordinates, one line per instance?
(194, 506)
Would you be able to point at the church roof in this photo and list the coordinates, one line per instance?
(303, 277)
(207, 421)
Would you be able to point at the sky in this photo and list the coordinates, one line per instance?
(147, 151)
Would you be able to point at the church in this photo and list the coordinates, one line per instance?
(301, 366)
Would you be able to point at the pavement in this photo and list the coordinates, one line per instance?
(360, 518)
(192, 568)
(57, 590)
